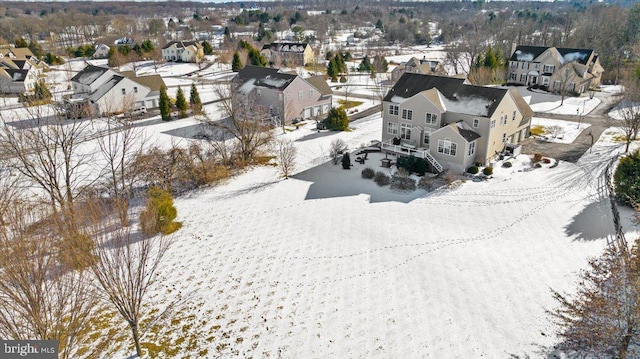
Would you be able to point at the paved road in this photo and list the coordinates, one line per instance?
(573, 151)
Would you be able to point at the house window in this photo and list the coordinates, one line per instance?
(392, 128)
(548, 69)
(310, 93)
(504, 119)
(525, 66)
(405, 131)
(556, 85)
(393, 110)
(493, 123)
(545, 81)
(513, 76)
(514, 116)
(431, 119)
(447, 147)
(514, 65)
(135, 89)
(472, 148)
(300, 95)
(504, 137)
(426, 135)
(407, 114)
(124, 91)
(523, 78)
(476, 123)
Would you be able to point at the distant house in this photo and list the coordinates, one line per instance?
(124, 41)
(183, 51)
(283, 96)
(101, 51)
(19, 70)
(415, 66)
(115, 92)
(287, 52)
(452, 124)
(555, 69)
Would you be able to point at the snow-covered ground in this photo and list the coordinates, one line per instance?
(570, 106)
(559, 131)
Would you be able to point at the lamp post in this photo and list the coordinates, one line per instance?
(579, 117)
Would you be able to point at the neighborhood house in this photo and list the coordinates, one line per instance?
(183, 51)
(555, 69)
(290, 53)
(451, 124)
(19, 70)
(282, 96)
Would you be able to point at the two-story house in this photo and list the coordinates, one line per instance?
(416, 66)
(450, 123)
(114, 92)
(19, 70)
(555, 69)
(101, 51)
(183, 51)
(290, 53)
(285, 96)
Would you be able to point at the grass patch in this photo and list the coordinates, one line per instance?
(620, 138)
(348, 104)
(538, 130)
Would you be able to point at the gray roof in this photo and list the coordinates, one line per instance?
(529, 53)
(17, 75)
(263, 77)
(89, 74)
(105, 87)
(467, 133)
(297, 47)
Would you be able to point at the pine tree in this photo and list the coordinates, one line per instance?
(165, 104)
(181, 103)
(194, 100)
(207, 48)
(256, 58)
(365, 65)
(236, 64)
(332, 69)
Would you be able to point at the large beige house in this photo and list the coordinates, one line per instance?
(452, 124)
(282, 96)
(114, 92)
(555, 69)
(416, 66)
(289, 53)
(184, 51)
(19, 70)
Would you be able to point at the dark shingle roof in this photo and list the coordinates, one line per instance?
(286, 46)
(581, 56)
(527, 53)
(89, 74)
(264, 77)
(464, 131)
(320, 84)
(17, 75)
(410, 84)
(181, 44)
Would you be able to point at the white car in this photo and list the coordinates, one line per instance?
(139, 111)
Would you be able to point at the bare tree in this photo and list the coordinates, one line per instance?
(125, 268)
(629, 113)
(563, 82)
(39, 298)
(286, 157)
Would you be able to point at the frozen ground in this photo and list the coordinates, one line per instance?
(559, 131)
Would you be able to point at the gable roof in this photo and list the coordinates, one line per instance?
(565, 54)
(465, 131)
(105, 87)
(17, 75)
(456, 95)
(263, 77)
(580, 56)
(297, 47)
(89, 74)
(181, 44)
(320, 84)
(153, 82)
(527, 53)
(522, 105)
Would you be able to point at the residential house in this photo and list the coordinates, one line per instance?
(19, 70)
(282, 96)
(450, 123)
(555, 69)
(299, 53)
(183, 51)
(101, 51)
(115, 92)
(416, 66)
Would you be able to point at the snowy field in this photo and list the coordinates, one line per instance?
(571, 106)
(559, 131)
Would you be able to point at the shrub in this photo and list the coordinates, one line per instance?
(381, 179)
(626, 180)
(473, 170)
(537, 157)
(425, 183)
(487, 171)
(337, 120)
(507, 164)
(546, 160)
(368, 173)
(402, 182)
(159, 213)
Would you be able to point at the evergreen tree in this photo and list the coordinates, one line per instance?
(21, 42)
(236, 64)
(332, 69)
(194, 100)
(337, 120)
(165, 104)
(627, 179)
(181, 103)
(365, 65)
(206, 47)
(256, 58)
(41, 91)
(379, 25)
(340, 63)
(380, 64)
(490, 59)
(36, 49)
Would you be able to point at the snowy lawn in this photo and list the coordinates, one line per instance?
(557, 130)
(329, 265)
(571, 106)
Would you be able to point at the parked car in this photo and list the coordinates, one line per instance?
(139, 111)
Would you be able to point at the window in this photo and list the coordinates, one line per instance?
(493, 123)
(311, 93)
(514, 65)
(513, 77)
(392, 128)
(405, 131)
(124, 91)
(523, 78)
(472, 148)
(407, 114)
(476, 123)
(135, 89)
(545, 81)
(548, 69)
(514, 116)
(504, 119)
(431, 119)
(447, 147)
(393, 110)
(525, 66)
(300, 95)
(426, 135)
(504, 137)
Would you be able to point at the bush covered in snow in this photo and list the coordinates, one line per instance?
(402, 182)
(381, 179)
(368, 173)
